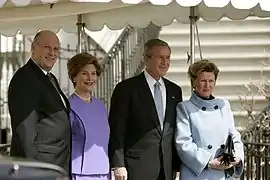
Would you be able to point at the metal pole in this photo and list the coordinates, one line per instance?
(79, 26)
(192, 19)
(199, 42)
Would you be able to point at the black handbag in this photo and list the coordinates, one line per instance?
(227, 151)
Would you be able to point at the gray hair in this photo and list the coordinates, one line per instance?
(38, 36)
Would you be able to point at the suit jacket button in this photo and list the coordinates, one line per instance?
(209, 146)
(203, 108)
(216, 107)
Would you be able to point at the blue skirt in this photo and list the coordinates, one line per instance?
(91, 177)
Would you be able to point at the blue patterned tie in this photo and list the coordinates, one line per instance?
(159, 103)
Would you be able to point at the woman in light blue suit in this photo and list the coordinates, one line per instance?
(203, 125)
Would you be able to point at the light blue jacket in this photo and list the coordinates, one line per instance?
(202, 127)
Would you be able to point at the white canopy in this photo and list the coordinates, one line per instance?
(30, 15)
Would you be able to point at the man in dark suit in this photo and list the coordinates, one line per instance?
(38, 108)
(142, 120)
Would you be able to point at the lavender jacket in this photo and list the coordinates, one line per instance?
(90, 136)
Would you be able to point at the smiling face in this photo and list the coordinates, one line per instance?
(45, 50)
(204, 84)
(158, 61)
(86, 79)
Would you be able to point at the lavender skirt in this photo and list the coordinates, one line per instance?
(91, 177)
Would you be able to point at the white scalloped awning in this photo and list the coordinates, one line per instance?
(30, 15)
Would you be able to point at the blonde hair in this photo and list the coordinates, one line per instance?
(201, 66)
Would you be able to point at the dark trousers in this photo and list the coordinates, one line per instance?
(161, 175)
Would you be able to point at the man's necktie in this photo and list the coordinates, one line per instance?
(55, 85)
(159, 103)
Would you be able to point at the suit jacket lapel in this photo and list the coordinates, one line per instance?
(148, 101)
(169, 106)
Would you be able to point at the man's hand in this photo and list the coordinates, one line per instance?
(120, 173)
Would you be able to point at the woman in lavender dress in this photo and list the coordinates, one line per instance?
(89, 122)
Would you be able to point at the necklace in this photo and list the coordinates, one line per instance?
(85, 99)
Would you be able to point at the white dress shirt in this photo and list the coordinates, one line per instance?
(151, 82)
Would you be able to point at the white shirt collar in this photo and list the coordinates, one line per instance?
(45, 72)
(151, 81)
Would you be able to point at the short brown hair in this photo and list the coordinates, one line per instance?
(148, 46)
(77, 63)
(201, 66)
